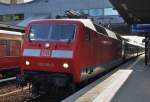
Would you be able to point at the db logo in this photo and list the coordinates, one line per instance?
(45, 52)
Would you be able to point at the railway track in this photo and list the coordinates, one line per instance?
(49, 97)
(16, 95)
(7, 80)
(9, 92)
(33, 99)
(7, 85)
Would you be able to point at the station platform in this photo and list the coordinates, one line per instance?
(127, 83)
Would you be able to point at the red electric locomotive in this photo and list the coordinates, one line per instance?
(66, 52)
(61, 53)
(10, 45)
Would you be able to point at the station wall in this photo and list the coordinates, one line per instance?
(99, 9)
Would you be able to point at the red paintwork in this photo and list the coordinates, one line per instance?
(9, 63)
(97, 52)
(102, 49)
(10, 46)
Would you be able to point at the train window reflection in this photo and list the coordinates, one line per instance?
(52, 32)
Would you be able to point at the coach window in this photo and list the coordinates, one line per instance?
(3, 48)
(14, 47)
(88, 35)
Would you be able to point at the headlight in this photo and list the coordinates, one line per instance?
(66, 65)
(47, 45)
(27, 63)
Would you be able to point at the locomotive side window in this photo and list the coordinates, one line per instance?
(52, 32)
(88, 35)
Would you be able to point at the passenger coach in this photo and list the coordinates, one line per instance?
(10, 48)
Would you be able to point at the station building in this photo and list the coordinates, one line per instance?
(20, 14)
(12, 1)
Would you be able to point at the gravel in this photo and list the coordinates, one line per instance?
(16, 96)
(10, 93)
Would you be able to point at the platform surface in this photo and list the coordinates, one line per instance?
(137, 86)
(128, 83)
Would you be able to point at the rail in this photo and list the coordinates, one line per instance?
(7, 79)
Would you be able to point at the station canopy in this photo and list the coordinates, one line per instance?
(33, 17)
(133, 11)
(11, 28)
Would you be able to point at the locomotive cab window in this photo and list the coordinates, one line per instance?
(52, 32)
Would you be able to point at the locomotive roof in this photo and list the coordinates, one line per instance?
(87, 23)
